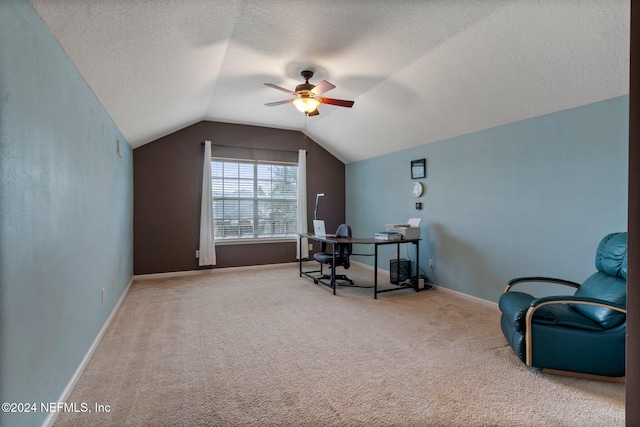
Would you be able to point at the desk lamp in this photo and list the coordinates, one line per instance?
(315, 212)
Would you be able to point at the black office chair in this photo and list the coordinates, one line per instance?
(342, 254)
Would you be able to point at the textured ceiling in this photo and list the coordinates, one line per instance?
(419, 71)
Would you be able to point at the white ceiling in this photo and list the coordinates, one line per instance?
(419, 71)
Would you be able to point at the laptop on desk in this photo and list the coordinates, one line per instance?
(318, 228)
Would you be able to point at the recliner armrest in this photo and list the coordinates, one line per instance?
(540, 279)
(572, 299)
(514, 306)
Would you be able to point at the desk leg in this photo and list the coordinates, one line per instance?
(375, 273)
(417, 282)
(397, 264)
(333, 270)
(300, 257)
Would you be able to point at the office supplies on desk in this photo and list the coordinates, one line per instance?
(388, 235)
(392, 227)
(410, 230)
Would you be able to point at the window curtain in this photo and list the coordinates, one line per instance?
(207, 244)
(302, 204)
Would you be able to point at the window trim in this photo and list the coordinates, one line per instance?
(254, 241)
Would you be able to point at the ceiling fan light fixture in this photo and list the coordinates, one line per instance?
(307, 96)
(306, 104)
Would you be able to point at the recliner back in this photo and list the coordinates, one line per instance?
(611, 256)
(609, 283)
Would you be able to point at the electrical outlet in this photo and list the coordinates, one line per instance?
(431, 264)
(113, 283)
(197, 254)
(310, 246)
(102, 294)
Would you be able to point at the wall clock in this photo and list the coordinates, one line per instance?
(417, 189)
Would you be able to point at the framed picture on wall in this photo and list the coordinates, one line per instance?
(418, 169)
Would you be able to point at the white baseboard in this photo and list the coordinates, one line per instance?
(469, 297)
(385, 273)
(48, 422)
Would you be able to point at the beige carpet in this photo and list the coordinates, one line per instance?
(267, 348)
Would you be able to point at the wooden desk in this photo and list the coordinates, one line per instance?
(361, 241)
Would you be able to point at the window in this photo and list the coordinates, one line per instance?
(254, 199)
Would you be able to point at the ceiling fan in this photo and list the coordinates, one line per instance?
(308, 96)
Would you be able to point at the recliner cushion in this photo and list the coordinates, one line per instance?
(602, 286)
(609, 283)
(564, 315)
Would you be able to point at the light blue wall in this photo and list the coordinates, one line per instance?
(528, 198)
(66, 213)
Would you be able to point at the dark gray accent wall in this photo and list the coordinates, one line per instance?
(168, 181)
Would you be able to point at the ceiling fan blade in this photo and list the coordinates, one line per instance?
(322, 87)
(338, 102)
(280, 88)
(314, 113)
(273, 104)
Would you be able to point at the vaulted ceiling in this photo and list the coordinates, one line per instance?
(418, 71)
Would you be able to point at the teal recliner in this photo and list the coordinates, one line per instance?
(582, 334)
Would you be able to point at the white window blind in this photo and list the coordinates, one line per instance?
(254, 199)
